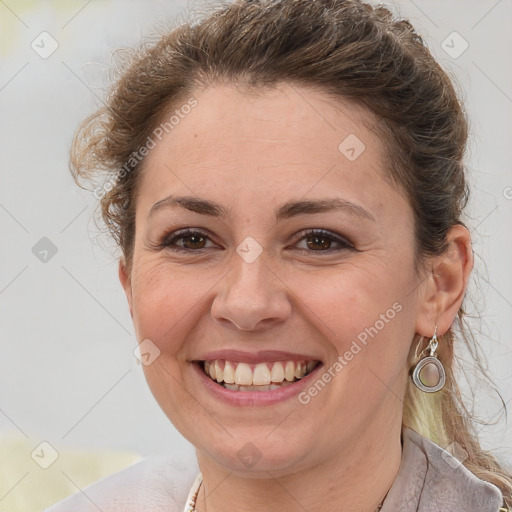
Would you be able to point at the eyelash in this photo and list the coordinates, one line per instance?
(168, 240)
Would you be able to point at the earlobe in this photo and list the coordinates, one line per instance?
(447, 283)
(125, 280)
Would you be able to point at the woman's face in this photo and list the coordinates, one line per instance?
(301, 251)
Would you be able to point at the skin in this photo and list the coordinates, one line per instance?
(251, 153)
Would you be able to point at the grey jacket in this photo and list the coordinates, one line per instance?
(429, 479)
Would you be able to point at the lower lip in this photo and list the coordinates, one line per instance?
(253, 398)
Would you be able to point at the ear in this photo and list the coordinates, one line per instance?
(446, 284)
(126, 283)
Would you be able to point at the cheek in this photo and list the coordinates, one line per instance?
(165, 302)
(367, 321)
(356, 302)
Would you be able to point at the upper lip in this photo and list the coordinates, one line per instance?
(256, 357)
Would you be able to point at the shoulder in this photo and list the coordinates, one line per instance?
(155, 484)
(446, 484)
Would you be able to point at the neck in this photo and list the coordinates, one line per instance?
(355, 480)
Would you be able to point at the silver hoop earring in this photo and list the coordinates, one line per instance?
(429, 374)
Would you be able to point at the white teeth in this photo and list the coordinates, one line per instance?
(289, 371)
(277, 374)
(247, 377)
(270, 387)
(219, 372)
(243, 374)
(261, 375)
(229, 373)
(213, 373)
(300, 370)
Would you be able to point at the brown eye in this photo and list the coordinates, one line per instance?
(187, 240)
(193, 241)
(321, 241)
(318, 242)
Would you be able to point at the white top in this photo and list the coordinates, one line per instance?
(429, 480)
(189, 505)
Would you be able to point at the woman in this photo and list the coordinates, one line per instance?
(286, 182)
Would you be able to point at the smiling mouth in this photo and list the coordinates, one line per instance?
(265, 376)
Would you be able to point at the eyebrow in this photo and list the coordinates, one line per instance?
(286, 211)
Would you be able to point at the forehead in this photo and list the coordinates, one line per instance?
(279, 116)
(287, 138)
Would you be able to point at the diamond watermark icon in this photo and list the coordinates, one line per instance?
(44, 250)
(249, 249)
(249, 454)
(146, 352)
(454, 455)
(44, 455)
(44, 45)
(454, 45)
(351, 147)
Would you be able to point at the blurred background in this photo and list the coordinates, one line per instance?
(74, 405)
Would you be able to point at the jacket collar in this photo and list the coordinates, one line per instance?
(430, 479)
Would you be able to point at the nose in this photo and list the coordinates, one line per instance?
(252, 297)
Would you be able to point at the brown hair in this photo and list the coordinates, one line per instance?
(349, 50)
